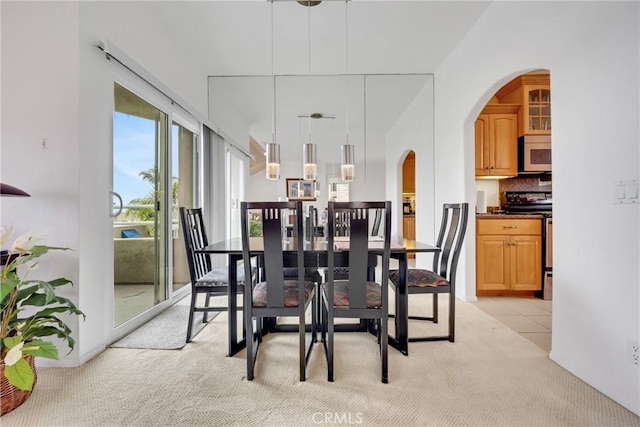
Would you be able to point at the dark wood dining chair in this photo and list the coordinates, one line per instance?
(442, 278)
(356, 297)
(275, 295)
(205, 280)
(341, 269)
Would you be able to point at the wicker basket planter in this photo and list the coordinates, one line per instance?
(10, 396)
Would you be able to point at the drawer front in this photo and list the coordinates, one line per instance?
(509, 226)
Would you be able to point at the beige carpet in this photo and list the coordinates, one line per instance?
(490, 376)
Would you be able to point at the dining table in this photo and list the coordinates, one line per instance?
(400, 249)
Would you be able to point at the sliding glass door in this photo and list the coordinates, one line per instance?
(235, 190)
(184, 163)
(155, 160)
(140, 136)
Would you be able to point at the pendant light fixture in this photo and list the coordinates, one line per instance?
(347, 151)
(272, 149)
(309, 155)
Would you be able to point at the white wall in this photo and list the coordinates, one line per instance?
(594, 65)
(414, 131)
(40, 101)
(131, 28)
(57, 85)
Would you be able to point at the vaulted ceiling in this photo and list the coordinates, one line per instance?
(230, 38)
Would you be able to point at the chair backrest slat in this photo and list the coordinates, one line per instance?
(375, 229)
(450, 238)
(195, 237)
(358, 255)
(272, 240)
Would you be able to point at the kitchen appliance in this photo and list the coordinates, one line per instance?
(534, 154)
(548, 265)
(537, 203)
(407, 205)
(522, 202)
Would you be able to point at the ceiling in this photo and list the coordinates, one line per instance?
(229, 39)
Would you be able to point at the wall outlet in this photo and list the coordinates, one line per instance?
(634, 352)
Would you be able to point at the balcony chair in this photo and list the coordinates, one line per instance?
(274, 295)
(442, 279)
(205, 280)
(356, 297)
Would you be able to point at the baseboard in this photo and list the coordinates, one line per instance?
(528, 294)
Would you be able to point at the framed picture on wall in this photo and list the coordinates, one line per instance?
(301, 189)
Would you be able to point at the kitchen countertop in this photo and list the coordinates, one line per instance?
(509, 216)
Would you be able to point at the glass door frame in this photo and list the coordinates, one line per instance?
(235, 182)
(174, 115)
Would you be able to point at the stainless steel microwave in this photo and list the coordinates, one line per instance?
(534, 153)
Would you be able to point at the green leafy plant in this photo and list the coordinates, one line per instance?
(29, 311)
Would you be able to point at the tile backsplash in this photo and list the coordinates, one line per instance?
(495, 189)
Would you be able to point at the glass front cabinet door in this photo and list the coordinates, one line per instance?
(537, 110)
(533, 93)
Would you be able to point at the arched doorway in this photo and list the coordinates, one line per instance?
(409, 197)
(513, 268)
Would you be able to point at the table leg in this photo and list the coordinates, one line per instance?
(234, 345)
(402, 309)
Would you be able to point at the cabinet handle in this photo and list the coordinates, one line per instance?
(510, 226)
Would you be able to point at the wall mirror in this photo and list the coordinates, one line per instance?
(372, 105)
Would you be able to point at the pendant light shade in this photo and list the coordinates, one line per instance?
(272, 153)
(310, 162)
(348, 168)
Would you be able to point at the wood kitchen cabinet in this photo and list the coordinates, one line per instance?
(496, 142)
(409, 173)
(508, 254)
(409, 229)
(533, 93)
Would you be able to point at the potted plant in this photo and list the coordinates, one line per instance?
(29, 314)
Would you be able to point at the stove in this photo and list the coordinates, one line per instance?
(528, 202)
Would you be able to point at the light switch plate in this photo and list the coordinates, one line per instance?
(626, 191)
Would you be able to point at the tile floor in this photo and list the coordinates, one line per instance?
(529, 316)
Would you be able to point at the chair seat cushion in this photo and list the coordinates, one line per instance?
(341, 293)
(290, 293)
(220, 277)
(419, 278)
